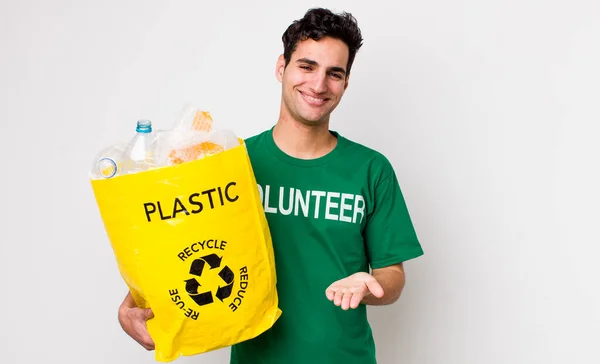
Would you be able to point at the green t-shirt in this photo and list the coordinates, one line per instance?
(329, 217)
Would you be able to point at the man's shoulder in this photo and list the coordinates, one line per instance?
(255, 144)
(365, 156)
(254, 140)
(359, 148)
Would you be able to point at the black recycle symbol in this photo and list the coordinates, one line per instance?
(192, 285)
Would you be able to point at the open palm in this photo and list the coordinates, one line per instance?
(349, 292)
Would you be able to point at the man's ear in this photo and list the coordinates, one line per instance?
(346, 82)
(280, 68)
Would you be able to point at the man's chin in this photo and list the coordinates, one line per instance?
(312, 118)
(312, 121)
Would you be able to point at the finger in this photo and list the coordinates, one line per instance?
(148, 313)
(356, 298)
(330, 292)
(145, 338)
(346, 300)
(374, 287)
(148, 345)
(337, 299)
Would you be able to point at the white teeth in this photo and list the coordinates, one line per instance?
(313, 99)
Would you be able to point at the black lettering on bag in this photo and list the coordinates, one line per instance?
(224, 195)
(195, 203)
(148, 212)
(221, 196)
(227, 196)
(209, 193)
(161, 213)
(180, 209)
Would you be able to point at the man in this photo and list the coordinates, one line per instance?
(334, 208)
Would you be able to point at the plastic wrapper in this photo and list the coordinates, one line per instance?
(194, 136)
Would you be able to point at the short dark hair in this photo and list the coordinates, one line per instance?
(318, 23)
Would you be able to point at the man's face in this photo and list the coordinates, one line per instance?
(314, 81)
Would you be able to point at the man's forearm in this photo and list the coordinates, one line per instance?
(391, 280)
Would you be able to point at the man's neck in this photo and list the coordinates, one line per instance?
(303, 141)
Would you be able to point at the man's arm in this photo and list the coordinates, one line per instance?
(383, 287)
(391, 279)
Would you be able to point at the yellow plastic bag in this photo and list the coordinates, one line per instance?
(192, 242)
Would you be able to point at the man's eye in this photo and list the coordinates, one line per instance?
(337, 76)
(308, 68)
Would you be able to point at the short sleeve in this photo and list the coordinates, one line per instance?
(389, 235)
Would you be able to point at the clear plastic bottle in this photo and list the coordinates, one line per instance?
(137, 156)
(108, 163)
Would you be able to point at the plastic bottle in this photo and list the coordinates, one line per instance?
(108, 163)
(137, 156)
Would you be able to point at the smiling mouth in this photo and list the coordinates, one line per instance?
(314, 101)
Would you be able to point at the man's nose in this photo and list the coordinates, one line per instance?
(319, 84)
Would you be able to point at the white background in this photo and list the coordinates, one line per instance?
(488, 111)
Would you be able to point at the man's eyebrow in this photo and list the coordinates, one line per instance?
(307, 61)
(338, 69)
(315, 63)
